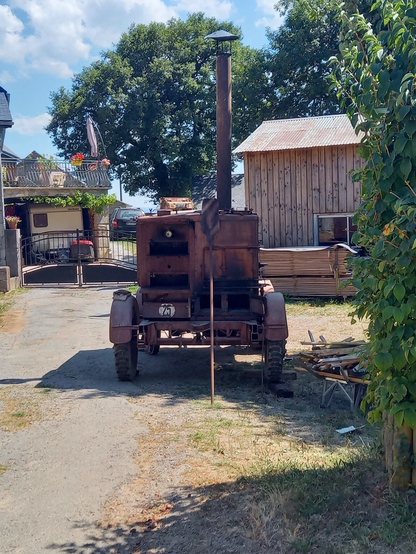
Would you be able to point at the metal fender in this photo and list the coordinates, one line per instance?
(275, 323)
(124, 311)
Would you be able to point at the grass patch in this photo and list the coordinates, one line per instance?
(6, 299)
(315, 490)
(5, 304)
(18, 414)
(318, 306)
(18, 410)
(208, 437)
(343, 506)
(3, 468)
(132, 288)
(206, 403)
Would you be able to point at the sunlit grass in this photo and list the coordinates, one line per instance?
(319, 306)
(6, 299)
(18, 410)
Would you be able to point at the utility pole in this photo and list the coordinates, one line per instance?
(5, 123)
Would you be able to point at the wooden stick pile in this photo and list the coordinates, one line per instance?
(334, 358)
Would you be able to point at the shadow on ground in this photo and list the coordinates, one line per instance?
(178, 375)
(266, 515)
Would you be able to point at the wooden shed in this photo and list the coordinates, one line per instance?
(298, 180)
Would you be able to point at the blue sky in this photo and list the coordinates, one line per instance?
(43, 43)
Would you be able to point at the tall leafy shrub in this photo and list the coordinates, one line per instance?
(375, 78)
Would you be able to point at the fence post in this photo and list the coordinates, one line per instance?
(79, 266)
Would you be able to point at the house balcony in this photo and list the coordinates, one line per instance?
(28, 179)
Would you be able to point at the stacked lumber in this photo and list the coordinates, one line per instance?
(341, 358)
(308, 271)
(311, 286)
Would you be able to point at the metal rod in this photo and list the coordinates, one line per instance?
(2, 230)
(79, 269)
(101, 138)
(211, 316)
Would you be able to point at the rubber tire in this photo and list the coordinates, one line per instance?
(125, 356)
(273, 367)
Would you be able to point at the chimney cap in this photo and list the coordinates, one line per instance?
(222, 35)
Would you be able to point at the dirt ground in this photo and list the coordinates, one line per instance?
(92, 465)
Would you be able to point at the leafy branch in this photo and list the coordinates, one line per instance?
(84, 199)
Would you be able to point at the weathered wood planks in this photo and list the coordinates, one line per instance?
(287, 188)
(308, 271)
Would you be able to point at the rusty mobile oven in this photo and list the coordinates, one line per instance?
(172, 304)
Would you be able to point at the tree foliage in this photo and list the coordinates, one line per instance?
(299, 52)
(376, 77)
(154, 99)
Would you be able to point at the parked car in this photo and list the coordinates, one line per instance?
(123, 221)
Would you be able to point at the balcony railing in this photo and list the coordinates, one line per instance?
(59, 174)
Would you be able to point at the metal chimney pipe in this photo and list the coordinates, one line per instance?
(224, 130)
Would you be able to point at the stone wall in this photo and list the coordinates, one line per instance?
(11, 274)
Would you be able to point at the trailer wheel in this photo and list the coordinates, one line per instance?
(126, 360)
(275, 353)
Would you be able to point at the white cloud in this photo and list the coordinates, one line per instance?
(106, 20)
(220, 9)
(56, 36)
(30, 125)
(272, 18)
(6, 77)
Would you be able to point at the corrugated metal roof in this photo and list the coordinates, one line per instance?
(305, 132)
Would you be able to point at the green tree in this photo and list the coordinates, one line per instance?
(252, 92)
(376, 77)
(154, 99)
(298, 55)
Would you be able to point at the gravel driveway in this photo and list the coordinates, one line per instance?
(148, 467)
(62, 467)
(99, 463)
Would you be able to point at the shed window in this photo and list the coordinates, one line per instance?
(40, 220)
(332, 229)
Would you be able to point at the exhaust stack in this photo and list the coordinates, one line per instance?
(223, 117)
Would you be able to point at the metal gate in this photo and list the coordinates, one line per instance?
(79, 258)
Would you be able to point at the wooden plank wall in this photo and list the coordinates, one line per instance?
(286, 188)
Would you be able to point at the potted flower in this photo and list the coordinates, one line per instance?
(12, 221)
(105, 162)
(76, 159)
(46, 163)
